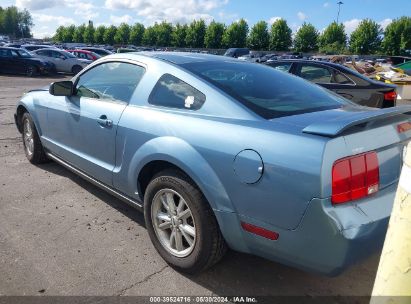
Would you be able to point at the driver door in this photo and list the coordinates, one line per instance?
(85, 124)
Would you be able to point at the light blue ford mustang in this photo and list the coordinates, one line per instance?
(221, 153)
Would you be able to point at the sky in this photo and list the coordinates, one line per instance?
(49, 14)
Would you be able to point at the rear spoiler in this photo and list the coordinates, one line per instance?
(334, 127)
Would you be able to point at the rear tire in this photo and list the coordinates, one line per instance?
(196, 232)
(32, 145)
(76, 69)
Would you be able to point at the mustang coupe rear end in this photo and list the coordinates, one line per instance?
(220, 153)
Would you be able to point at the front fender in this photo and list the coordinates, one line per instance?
(187, 158)
(28, 103)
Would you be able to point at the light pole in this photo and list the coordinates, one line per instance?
(339, 7)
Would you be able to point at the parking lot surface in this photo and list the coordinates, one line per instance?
(60, 235)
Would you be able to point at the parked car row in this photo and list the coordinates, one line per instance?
(37, 59)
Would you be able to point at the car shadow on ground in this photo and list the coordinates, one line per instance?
(240, 274)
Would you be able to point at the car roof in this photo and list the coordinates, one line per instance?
(79, 50)
(10, 48)
(179, 58)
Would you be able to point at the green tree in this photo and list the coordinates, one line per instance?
(68, 34)
(59, 35)
(333, 39)
(178, 37)
(122, 34)
(149, 36)
(109, 35)
(25, 23)
(196, 33)
(259, 37)
(79, 33)
(235, 35)
(136, 34)
(214, 35)
(163, 32)
(397, 36)
(88, 35)
(280, 36)
(99, 34)
(306, 38)
(366, 39)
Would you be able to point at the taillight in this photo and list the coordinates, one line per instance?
(390, 96)
(355, 177)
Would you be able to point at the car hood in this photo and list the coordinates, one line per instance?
(331, 123)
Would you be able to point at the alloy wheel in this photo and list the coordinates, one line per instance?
(173, 222)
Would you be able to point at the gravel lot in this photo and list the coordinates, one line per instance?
(60, 235)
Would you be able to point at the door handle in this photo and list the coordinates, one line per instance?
(104, 121)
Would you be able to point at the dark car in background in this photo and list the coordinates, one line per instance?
(99, 51)
(19, 61)
(342, 80)
(236, 52)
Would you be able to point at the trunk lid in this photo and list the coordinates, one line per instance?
(354, 130)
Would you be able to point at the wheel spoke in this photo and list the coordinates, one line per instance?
(170, 202)
(188, 238)
(164, 203)
(184, 215)
(181, 205)
(188, 229)
(163, 217)
(165, 225)
(172, 238)
(179, 240)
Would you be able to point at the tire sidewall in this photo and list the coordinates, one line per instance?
(198, 256)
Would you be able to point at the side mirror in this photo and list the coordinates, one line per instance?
(61, 88)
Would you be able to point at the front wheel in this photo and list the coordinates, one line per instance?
(31, 71)
(32, 145)
(181, 224)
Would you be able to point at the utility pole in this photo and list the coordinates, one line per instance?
(339, 8)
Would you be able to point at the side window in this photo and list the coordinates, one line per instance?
(285, 66)
(172, 92)
(55, 54)
(89, 57)
(317, 74)
(44, 53)
(114, 81)
(5, 53)
(340, 78)
(14, 54)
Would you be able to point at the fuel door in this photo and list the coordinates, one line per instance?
(248, 166)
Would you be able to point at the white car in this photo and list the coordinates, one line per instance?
(64, 61)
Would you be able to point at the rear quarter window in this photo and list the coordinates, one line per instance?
(172, 92)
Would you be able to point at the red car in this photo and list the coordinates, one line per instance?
(84, 54)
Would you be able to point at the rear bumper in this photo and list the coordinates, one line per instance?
(328, 239)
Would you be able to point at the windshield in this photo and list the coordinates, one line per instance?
(24, 54)
(265, 91)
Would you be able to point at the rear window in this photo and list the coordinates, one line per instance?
(265, 91)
